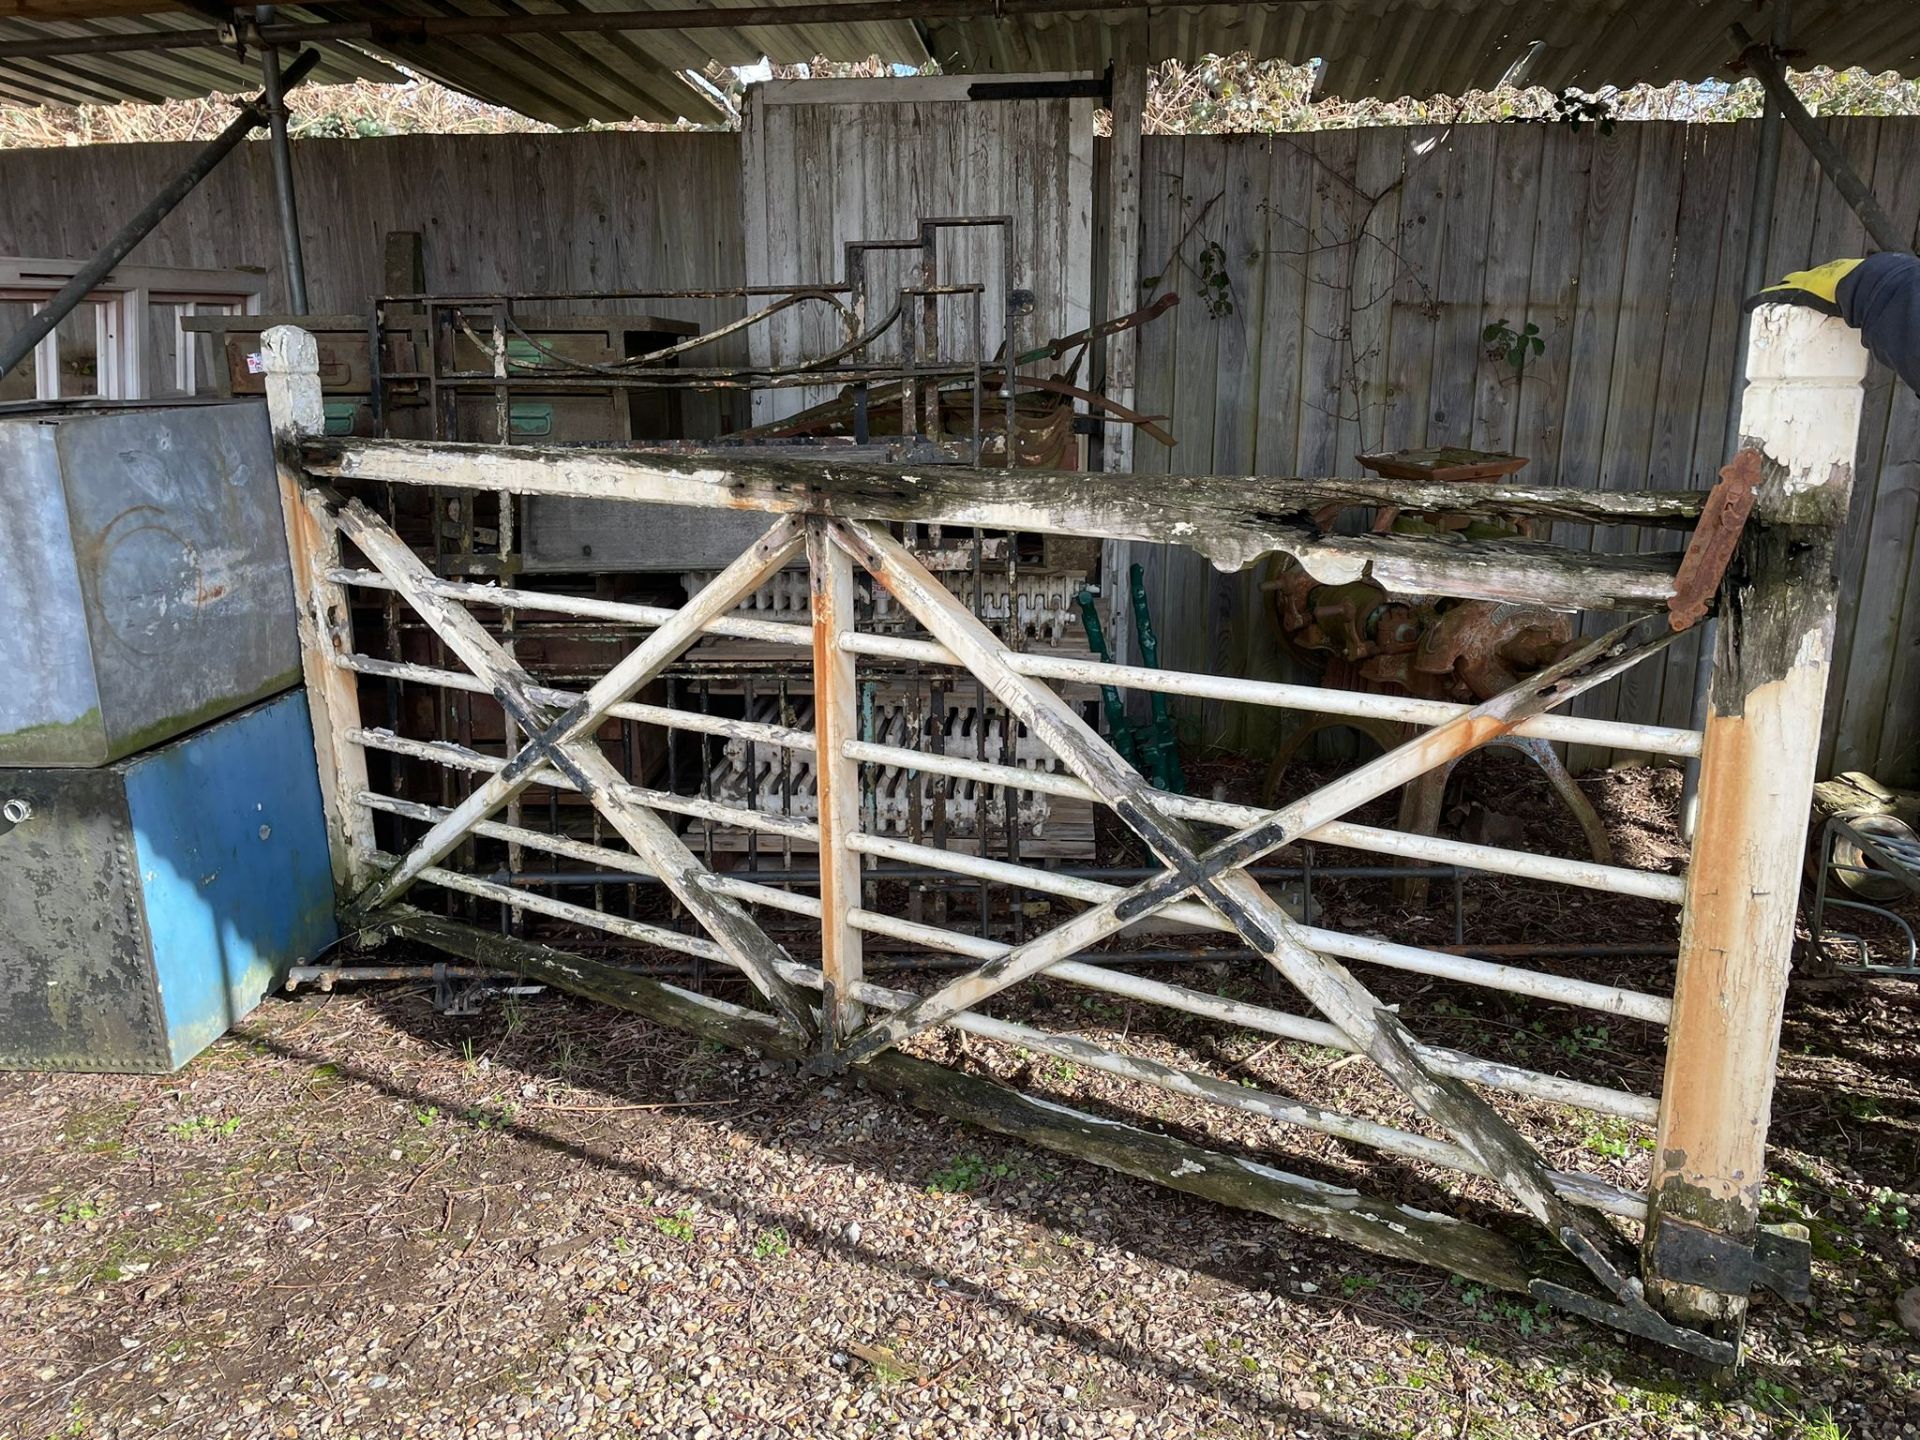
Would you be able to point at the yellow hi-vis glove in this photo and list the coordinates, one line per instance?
(1878, 296)
(1816, 288)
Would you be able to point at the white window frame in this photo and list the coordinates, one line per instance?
(122, 317)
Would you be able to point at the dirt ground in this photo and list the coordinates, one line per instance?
(357, 1217)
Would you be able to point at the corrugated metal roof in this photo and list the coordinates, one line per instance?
(156, 75)
(572, 79)
(1384, 49)
(1372, 48)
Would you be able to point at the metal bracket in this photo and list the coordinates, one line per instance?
(1636, 1318)
(1780, 1259)
(1096, 89)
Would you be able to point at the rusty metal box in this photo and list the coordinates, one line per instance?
(143, 576)
(149, 904)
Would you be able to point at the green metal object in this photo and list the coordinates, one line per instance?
(1162, 748)
(341, 415)
(530, 419)
(1110, 700)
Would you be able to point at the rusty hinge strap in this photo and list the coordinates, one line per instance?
(1715, 537)
(1779, 1260)
(1636, 1317)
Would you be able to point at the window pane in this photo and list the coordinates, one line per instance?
(79, 353)
(17, 383)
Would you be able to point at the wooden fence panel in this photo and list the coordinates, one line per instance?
(1363, 266)
(1627, 250)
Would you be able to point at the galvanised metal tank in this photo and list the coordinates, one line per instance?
(143, 576)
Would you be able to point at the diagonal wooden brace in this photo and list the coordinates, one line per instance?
(1507, 1156)
(564, 741)
(1068, 736)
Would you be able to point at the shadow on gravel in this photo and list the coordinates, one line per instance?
(1155, 1222)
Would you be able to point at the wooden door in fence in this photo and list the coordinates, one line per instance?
(826, 163)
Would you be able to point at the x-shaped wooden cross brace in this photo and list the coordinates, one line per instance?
(561, 742)
(1217, 876)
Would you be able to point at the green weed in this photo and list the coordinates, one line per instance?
(677, 1226)
(964, 1173)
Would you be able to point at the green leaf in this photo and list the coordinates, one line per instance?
(1517, 356)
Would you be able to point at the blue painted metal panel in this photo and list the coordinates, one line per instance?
(234, 874)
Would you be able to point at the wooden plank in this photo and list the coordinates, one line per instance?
(1285, 213)
(1416, 310)
(322, 612)
(1379, 171)
(1460, 285)
(1183, 607)
(1123, 231)
(1505, 288)
(1229, 624)
(1553, 293)
(1721, 323)
(1287, 209)
(1612, 163)
(1232, 521)
(1117, 362)
(1802, 408)
(1877, 544)
(1157, 377)
(1895, 759)
(836, 720)
(1333, 230)
(1661, 258)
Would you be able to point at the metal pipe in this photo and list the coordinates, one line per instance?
(755, 731)
(21, 343)
(275, 95)
(809, 875)
(419, 30)
(1764, 61)
(1652, 739)
(1766, 189)
(1655, 739)
(1586, 874)
(1611, 999)
(1096, 976)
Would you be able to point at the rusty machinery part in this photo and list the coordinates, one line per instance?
(1465, 650)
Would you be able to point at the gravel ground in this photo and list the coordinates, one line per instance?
(355, 1217)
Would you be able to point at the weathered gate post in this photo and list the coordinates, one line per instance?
(291, 362)
(836, 704)
(1802, 413)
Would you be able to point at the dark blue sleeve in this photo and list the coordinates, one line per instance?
(1880, 298)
